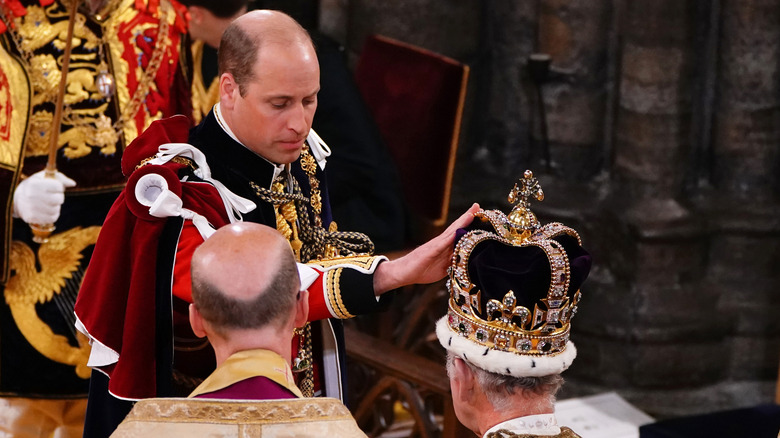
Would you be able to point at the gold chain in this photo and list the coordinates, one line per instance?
(151, 69)
(309, 165)
(303, 364)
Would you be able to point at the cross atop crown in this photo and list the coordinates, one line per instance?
(522, 220)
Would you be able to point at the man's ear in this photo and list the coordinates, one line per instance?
(196, 14)
(196, 321)
(301, 309)
(463, 381)
(228, 91)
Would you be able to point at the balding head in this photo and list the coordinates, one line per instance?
(244, 277)
(243, 40)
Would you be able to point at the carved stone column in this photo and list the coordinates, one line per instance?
(649, 323)
(743, 208)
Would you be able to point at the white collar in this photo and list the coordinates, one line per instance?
(278, 168)
(542, 424)
(225, 127)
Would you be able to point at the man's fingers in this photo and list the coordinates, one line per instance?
(464, 220)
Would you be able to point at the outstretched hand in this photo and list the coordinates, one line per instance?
(426, 264)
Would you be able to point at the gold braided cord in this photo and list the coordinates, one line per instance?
(287, 219)
(316, 242)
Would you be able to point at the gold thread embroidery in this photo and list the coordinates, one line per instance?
(85, 122)
(254, 412)
(60, 257)
(364, 262)
(504, 433)
(309, 165)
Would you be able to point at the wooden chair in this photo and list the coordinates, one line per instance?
(416, 97)
(410, 379)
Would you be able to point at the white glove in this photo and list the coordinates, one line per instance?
(37, 199)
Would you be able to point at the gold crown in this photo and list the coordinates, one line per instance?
(504, 325)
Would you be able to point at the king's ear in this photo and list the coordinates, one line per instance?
(462, 380)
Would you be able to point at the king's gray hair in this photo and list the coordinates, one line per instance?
(500, 390)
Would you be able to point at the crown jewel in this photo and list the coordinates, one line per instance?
(508, 321)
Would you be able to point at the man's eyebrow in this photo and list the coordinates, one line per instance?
(288, 97)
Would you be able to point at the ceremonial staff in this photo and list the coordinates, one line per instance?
(41, 232)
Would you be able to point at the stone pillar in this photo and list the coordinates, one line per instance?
(648, 326)
(654, 109)
(744, 206)
(747, 118)
(575, 34)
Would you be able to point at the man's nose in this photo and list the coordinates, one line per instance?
(298, 119)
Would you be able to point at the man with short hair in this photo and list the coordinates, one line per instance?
(365, 192)
(483, 399)
(209, 18)
(514, 287)
(247, 312)
(254, 158)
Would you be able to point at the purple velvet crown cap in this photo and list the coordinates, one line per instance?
(496, 268)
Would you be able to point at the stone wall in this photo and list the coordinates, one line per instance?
(656, 134)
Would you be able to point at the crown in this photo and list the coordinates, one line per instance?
(514, 288)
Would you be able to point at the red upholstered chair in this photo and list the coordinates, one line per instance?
(416, 97)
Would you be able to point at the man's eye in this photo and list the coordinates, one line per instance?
(279, 105)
